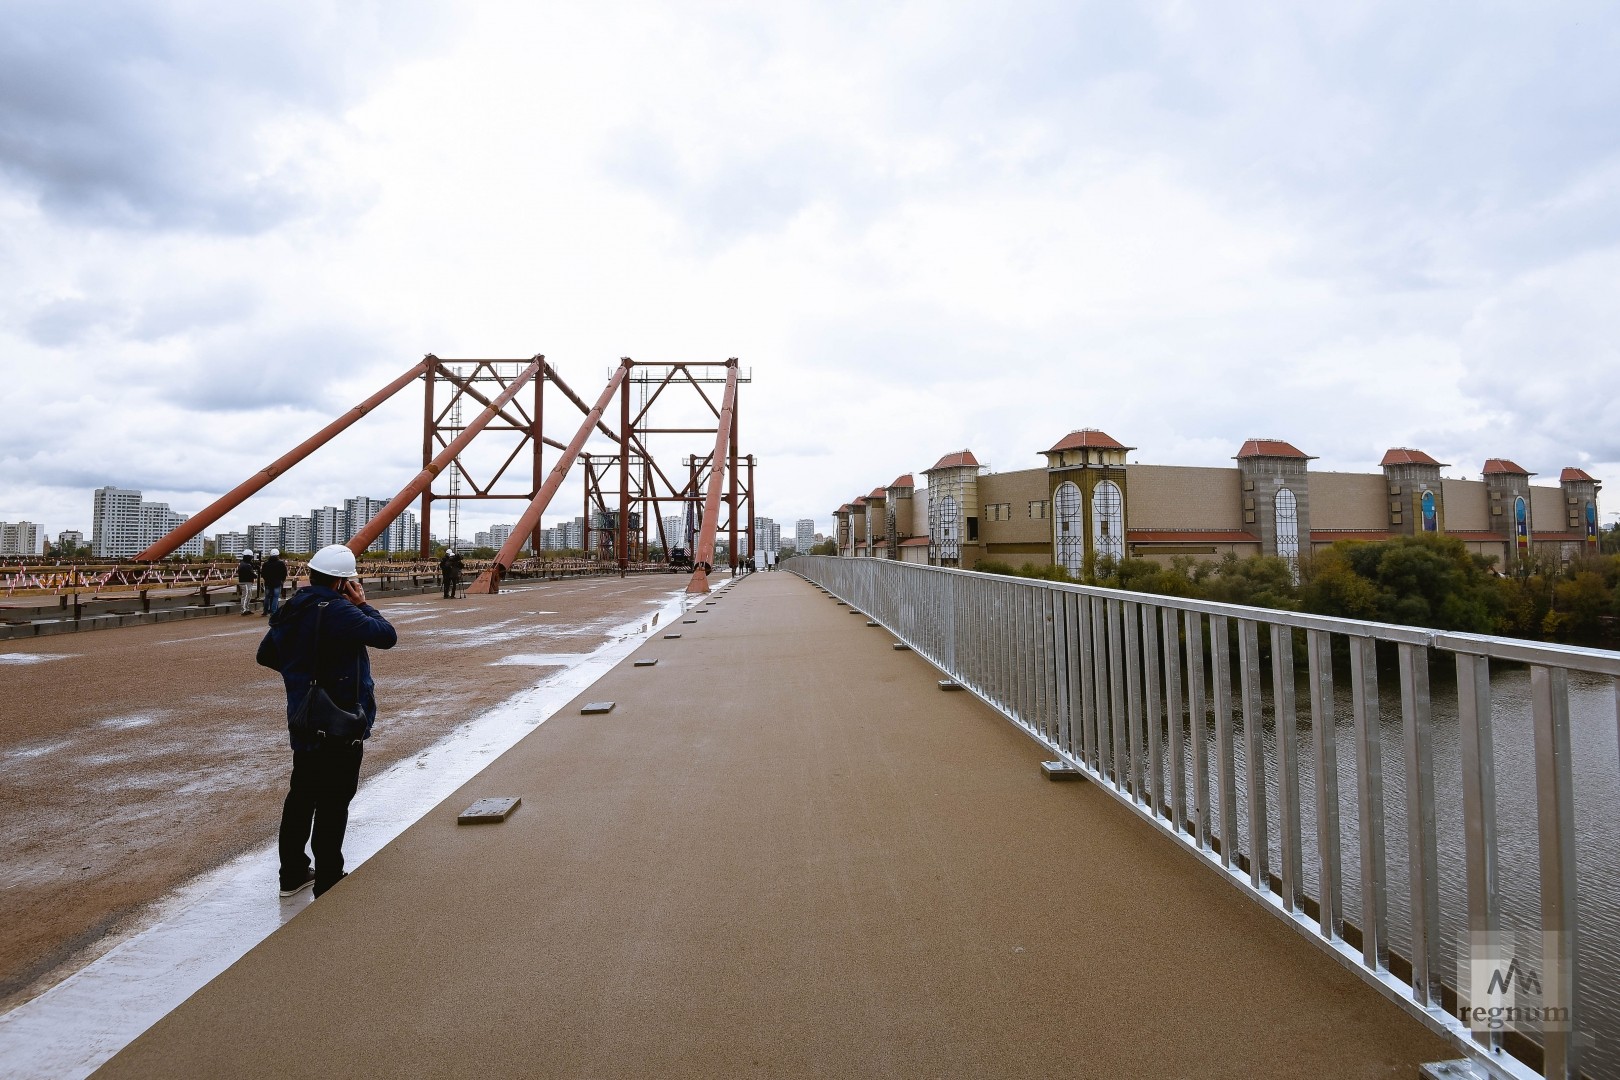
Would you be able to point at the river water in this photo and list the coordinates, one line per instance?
(1596, 768)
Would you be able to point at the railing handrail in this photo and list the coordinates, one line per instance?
(1096, 675)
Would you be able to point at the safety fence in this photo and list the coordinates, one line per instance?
(99, 579)
(1461, 906)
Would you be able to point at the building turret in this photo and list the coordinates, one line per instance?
(1277, 497)
(901, 494)
(1580, 504)
(1087, 482)
(1416, 496)
(1507, 486)
(953, 510)
(877, 524)
(844, 538)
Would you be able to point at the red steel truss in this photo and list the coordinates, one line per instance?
(644, 488)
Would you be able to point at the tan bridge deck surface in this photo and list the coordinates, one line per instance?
(784, 853)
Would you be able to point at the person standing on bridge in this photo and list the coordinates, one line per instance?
(321, 634)
(450, 572)
(274, 573)
(247, 573)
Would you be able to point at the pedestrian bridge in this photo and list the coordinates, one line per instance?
(787, 852)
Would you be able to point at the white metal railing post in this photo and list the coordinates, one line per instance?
(1370, 801)
(1254, 754)
(1417, 732)
(1555, 817)
(1287, 723)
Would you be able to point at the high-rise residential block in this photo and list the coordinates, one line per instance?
(297, 535)
(263, 537)
(115, 522)
(21, 538)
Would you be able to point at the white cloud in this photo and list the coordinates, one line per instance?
(923, 227)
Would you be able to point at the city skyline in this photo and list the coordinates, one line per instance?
(1352, 229)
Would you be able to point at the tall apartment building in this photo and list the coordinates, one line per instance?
(157, 521)
(230, 543)
(124, 525)
(69, 538)
(261, 538)
(574, 534)
(356, 513)
(767, 535)
(115, 523)
(402, 534)
(804, 535)
(21, 538)
(675, 531)
(326, 527)
(297, 534)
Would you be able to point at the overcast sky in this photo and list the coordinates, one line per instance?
(923, 227)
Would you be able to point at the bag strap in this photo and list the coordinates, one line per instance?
(315, 651)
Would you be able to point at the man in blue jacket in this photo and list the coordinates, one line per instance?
(325, 772)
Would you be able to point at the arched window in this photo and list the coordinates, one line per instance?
(1287, 518)
(1108, 520)
(945, 532)
(1068, 541)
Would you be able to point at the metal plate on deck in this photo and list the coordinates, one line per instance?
(671, 637)
(1059, 770)
(947, 684)
(872, 622)
(901, 646)
(646, 663)
(484, 811)
(594, 707)
(689, 621)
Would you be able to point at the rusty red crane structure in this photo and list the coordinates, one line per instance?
(716, 488)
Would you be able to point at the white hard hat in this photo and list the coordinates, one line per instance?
(275, 551)
(247, 551)
(447, 552)
(334, 560)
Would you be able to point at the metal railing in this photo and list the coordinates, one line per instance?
(1172, 704)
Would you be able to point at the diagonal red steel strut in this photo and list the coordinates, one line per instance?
(703, 558)
(231, 500)
(490, 580)
(402, 502)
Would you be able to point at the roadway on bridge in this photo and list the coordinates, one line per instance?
(783, 853)
(134, 759)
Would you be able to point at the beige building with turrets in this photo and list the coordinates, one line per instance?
(1090, 501)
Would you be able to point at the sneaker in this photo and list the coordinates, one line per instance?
(308, 880)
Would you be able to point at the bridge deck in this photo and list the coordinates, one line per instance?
(766, 861)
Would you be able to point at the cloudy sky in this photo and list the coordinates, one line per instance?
(922, 227)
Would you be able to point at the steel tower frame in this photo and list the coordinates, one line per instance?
(444, 440)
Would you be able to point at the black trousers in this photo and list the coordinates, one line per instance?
(450, 583)
(317, 813)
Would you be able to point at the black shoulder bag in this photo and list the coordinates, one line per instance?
(318, 716)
